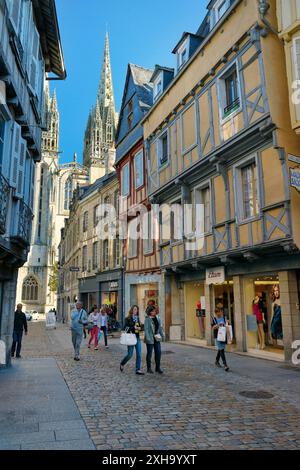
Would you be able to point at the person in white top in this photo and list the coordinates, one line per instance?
(95, 321)
(104, 324)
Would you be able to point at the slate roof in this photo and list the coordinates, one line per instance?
(141, 77)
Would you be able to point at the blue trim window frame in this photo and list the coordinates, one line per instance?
(229, 92)
(247, 190)
(192, 146)
(139, 169)
(125, 179)
(201, 198)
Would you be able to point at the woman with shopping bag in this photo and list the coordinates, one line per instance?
(131, 338)
(94, 324)
(220, 335)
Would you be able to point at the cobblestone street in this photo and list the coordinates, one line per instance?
(192, 406)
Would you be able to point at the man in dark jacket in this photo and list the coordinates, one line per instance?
(20, 325)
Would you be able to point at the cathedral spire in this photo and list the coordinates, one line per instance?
(102, 122)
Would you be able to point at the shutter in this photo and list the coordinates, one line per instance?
(15, 155)
(34, 69)
(21, 170)
(297, 57)
(15, 14)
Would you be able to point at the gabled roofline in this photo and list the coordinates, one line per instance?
(183, 37)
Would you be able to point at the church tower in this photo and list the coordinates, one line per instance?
(99, 142)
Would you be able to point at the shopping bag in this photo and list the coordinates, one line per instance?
(222, 334)
(128, 339)
(229, 333)
(99, 335)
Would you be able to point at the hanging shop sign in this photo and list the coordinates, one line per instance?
(295, 178)
(215, 275)
(113, 285)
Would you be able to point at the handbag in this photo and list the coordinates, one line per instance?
(128, 339)
(222, 334)
(90, 327)
(158, 337)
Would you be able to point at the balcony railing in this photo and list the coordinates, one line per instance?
(232, 107)
(4, 200)
(23, 216)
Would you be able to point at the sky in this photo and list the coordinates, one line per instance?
(140, 32)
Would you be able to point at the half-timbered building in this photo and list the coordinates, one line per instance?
(219, 137)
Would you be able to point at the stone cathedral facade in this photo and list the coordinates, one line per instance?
(99, 141)
(54, 186)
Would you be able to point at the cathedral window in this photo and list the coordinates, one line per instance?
(41, 203)
(30, 290)
(68, 194)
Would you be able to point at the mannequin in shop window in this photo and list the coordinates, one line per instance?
(258, 312)
(201, 316)
(276, 323)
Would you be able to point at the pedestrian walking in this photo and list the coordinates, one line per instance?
(104, 324)
(20, 325)
(154, 334)
(218, 322)
(78, 320)
(85, 326)
(133, 325)
(95, 322)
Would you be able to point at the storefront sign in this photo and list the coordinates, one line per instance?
(295, 178)
(215, 275)
(114, 285)
(74, 270)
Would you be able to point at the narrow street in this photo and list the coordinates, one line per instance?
(192, 406)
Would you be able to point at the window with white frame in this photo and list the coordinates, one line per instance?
(296, 50)
(96, 215)
(162, 149)
(229, 91)
(182, 55)
(148, 233)
(132, 241)
(203, 196)
(249, 190)
(139, 169)
(158, 86)
(246, 189)
(125, 179)
(218, 11)
(117, 251)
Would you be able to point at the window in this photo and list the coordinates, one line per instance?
(96, 215)
(116, 203)
(182, 55)
(158, 86)
(95, 255)
(249, 190)
(125, 180)
(229, 92)
(296, 48)
(163, 149)
(105, 254)
(132, 240)
(30, 290)
(219, 10)
(85, 222)
(148, 234)
(203, 196)
(139, 169)
(117, 251)
(84, 259)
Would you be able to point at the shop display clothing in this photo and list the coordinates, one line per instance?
(276, 325)
(257, 312)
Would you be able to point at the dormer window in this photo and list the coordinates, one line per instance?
(219, 10)
(158, 86)
(182, 55)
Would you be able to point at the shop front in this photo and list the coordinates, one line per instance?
(110, 288)
(195, 310)
(143, 290)
(88, 293)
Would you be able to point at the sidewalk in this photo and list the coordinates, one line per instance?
(37, 411)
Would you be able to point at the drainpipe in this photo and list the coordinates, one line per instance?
(263, 7)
